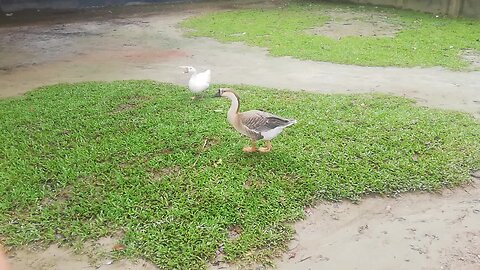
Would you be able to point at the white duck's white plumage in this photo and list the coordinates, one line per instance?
(199, 81)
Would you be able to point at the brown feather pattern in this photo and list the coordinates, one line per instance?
(259, 121)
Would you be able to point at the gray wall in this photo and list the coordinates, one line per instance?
(468, 8)
(16, 5)
(471, 8)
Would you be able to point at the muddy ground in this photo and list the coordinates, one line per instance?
(413, 231)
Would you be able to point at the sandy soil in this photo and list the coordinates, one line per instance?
(55, 258)
(414, 231)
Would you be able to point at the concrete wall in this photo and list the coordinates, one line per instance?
(471, 8)
(16, 5)
(468, 8)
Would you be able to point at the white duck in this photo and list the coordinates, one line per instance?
(198, 81)
(255, 124)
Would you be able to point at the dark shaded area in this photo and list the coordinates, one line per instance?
(20, 5)
(87, 12)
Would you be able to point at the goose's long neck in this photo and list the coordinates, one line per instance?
(234, 107)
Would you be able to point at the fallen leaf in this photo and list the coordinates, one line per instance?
(119, 247)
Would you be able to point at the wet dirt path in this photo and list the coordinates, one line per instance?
(413, 231)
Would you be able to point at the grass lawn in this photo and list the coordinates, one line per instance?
(140, 159)
(425, 40)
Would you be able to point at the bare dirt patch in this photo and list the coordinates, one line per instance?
(95, 255)
(159, 174)
(344, 24)
(132, 103)
(125, 107)
(473, 57)
(60, 197)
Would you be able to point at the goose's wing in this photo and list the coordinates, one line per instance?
(260, 121)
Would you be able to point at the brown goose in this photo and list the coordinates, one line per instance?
(255, 124)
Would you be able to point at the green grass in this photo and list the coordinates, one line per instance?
(140, 159)
(425, 40)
